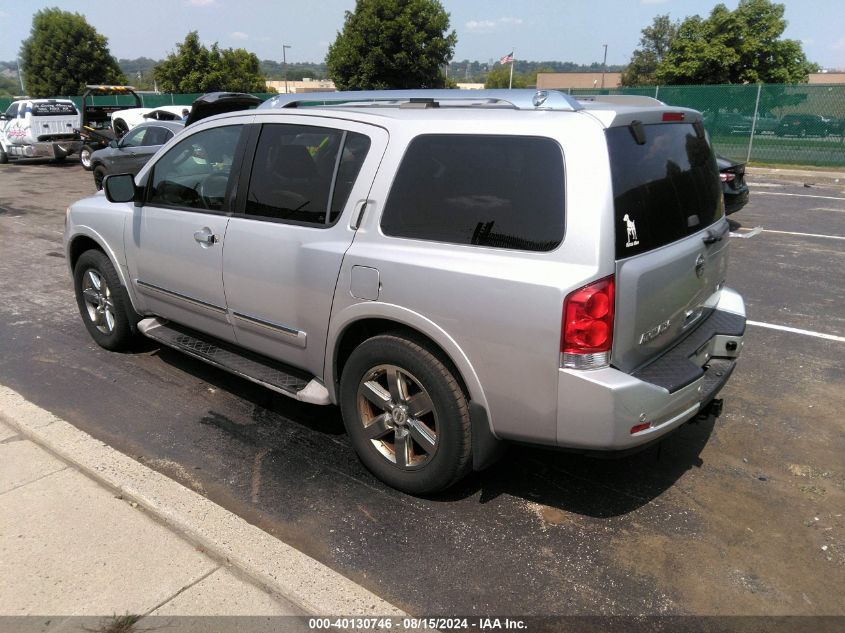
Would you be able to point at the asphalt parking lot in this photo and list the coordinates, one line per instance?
(741, 516)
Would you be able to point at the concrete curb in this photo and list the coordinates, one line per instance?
(298, 578)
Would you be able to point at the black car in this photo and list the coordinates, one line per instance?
(803, 125)
(732, 175)
(130, 153)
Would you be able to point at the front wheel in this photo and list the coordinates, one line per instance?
(103, 302)
(99, 176)
(406, 415)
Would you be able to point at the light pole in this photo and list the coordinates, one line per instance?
(285, 47)
(603, 65)
(20, 77)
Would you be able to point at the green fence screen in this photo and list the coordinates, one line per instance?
(798, 124)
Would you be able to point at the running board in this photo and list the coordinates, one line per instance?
(242, 363)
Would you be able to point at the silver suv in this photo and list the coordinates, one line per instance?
(454, 269)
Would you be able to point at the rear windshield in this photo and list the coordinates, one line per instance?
(664, 189)
(53, 109)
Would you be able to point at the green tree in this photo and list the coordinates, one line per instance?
(195, 68)
(392, 44)
(740, 46)
(654, 44)
(63, 53)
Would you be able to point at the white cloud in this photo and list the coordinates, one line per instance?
(489, 26)
(200, 3)
(239, 35)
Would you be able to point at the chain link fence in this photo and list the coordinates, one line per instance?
(798, 124)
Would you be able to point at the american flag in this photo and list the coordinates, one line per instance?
(507, 59)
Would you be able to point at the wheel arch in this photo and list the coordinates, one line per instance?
(356, 326)
(88, 240)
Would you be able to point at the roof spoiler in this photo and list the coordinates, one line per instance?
(634, 100)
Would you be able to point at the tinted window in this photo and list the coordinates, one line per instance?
(53, 109)
(664, 189)
(157, 136)
(294, 169)
(499, 191)
(195, 172)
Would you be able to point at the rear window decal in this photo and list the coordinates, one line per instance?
(631, 226)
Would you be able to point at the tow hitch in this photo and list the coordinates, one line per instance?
(713, 409)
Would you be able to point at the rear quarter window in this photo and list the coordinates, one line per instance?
(483, 190)
(665, 189)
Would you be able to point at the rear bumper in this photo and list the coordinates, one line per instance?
(46, 149)
(597, 409)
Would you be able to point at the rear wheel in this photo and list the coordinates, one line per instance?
(4, 157)
(85, 157)
(103, 302)
(120, 127)
(406, 415)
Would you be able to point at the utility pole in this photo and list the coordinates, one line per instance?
(510, 80)
(285, 47)
(603, 65)
(20, 77)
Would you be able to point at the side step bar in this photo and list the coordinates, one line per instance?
(262, 371)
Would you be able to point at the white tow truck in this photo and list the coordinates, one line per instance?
(39, 128)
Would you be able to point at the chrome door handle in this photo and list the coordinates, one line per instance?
(205, 236)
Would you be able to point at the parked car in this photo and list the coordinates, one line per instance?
(728, 123)
(130, 153)
(732, 176)
(454, 269)
(803, 125)
(124, 120)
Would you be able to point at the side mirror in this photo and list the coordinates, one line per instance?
(113, 144)
(119, 188)
(3, 117)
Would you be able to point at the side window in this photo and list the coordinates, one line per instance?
(496, 191)
(195, 172)
(304, 173)
(12, 111)
(135, 138)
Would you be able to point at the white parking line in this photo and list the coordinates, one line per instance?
(827, 237)
(827, 209)
(795, 330)
(796, 195)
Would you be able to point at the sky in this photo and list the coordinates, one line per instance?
(561, 30)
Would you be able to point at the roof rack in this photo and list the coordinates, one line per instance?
(621, 99)
(516, 99)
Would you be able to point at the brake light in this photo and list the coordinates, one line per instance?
(726, 176)
(673, 116)
(587, 326)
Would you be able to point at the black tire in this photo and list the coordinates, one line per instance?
(85, 157)
(427, 379)
(107, 312)
(99, 176)
(4, 157)
(120, 127)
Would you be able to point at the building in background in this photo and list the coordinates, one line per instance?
(306, 85)
(563, 81)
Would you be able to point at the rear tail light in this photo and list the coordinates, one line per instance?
(726, 176)
(587, 326)
(673, 116)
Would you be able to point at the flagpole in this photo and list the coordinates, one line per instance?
(510, 81)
